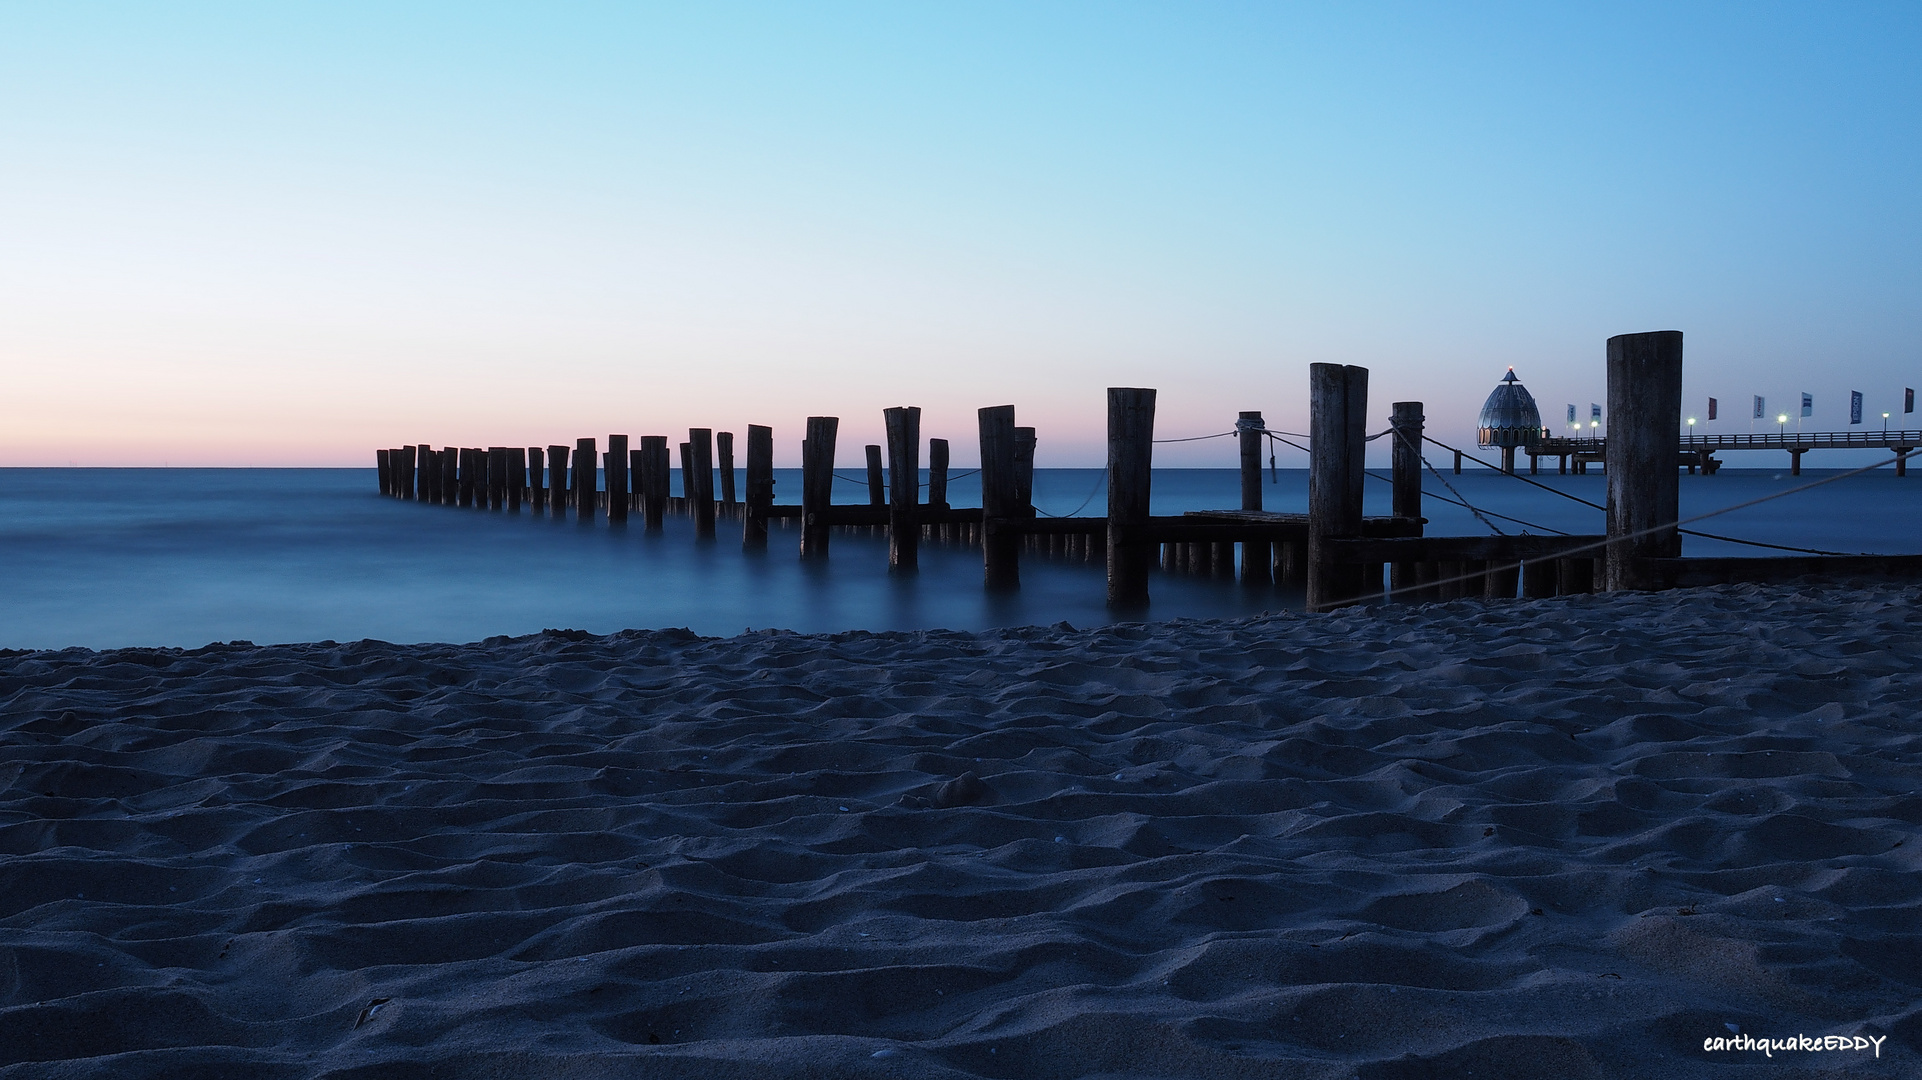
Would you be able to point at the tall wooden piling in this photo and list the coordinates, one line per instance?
(904, 496)
(817, 484)
(496, 477)
(557, 485)
(537, 477)
(1337, 421)
(516, 476)
(464, 484)
(937, 474)
(1000, 546)
(1256, 557)
(1405, 434)
(700, 492)
(724, 464)
(617, 483)
(1024, 471)
(586, 460)
(877, 483)
(655, 470)
(760, 487)
(384, 466)
(449, 475)
(1131, 433)
(409, 460)
(1644, 489)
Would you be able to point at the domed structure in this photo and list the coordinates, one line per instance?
(1510, 419)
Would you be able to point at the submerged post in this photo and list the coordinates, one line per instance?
(760, 487)
(1337, 421)
(724, 463)
(586, 465)
(616, 478)
(877, 486)
(1405, 427)
(496, 477)
(655, 469)
(1257, 557)
(937, 474)
(536, 470)
(817, 484)
(557, 484)
(1644, 489)
(1000, 546)
(516, 476)
(1024, 471)
(904, 483)
(700, 491)
(1131, 433)
(384, 465)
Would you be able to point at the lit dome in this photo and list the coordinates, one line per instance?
(1509, 418)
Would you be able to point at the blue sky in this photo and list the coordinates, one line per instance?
(252, 235)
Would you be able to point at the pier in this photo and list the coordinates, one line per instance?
(1333, 552)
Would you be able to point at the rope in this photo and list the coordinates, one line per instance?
(1098, 481)
(1377, 435)
(1518, 476)
(1643, 532)
(1465, 506)
(1198, 438)
(1777, 547)
(1403, 436)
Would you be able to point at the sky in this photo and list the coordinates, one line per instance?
(288, 234)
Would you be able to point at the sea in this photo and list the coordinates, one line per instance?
(105, 558)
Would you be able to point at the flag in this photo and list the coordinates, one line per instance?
(1594, 412)
(1759, 405)
(1808, 405)
(1571, 416)
(1855, 407)
(1711, 408)
(1908, 401)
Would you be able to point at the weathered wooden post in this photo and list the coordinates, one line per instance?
(1405, 431)
(937, 474)
(516, 476)
(760, 487)
(449, 475)
(904, 496)
(724, 463)
(586, 460)
(1000, 545)
(687, 478)
(617, 478)
(557, 485)
(817, 484)
(1131, 554)
(700, 492)
(384, 466)
(1024, 471)
(1257, 557)
(1644, 489)
(655, 469)
(536, 477)
(1337, 421)
(496, 477)
(877, 484)
(464, 477)
(409, 462)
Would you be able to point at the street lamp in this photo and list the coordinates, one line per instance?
(1885, 423)
(1781, 425)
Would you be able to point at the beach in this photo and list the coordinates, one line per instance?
(1580, 837)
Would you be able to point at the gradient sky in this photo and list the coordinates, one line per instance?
(236, 235)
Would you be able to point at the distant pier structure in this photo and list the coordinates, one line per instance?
(1510, 419)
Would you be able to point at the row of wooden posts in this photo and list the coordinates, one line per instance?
(1335, 552)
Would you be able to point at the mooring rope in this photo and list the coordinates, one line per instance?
(1416, 447)
(1099, 480)
(1518, 476)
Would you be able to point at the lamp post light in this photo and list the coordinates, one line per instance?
(1782, 425)
(1885, 423)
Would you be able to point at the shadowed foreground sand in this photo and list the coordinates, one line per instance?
(1569, 838)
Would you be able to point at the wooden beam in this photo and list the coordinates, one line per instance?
(1131, 554)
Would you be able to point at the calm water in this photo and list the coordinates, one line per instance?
(110, 557)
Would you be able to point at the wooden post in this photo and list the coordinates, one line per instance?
(617, 478)
(1024, 471)
(537, 476)
(904, 496)
(877, 484)
(586, 460)
(1644, 489)
(557, 484)
(516, 476)
(817, 484)
(1131, 433)
(1458, 463)
(760, 487)
(655, 468)
(701, 491)
(724, 461)
(687, 478)
(1901, 460)
(406, 471)
(464, 480)
(449, 475)
(1501, 583)
(1000, 547)
(1405, 427)
(1337, 415)
(1257, 558)
(1538, 578)
(938, 474)
(496, 477)
(384, 466)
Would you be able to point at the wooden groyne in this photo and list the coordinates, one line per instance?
(1334, 552)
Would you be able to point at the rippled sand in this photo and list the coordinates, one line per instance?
(1568, 838)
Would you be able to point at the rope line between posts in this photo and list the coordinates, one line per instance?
(1465, 506)
(1386, 593)
(1198, 438)
(1518, 476)
(1099, 480)
(1416, 447)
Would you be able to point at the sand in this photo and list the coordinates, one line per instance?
(1568, 838)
